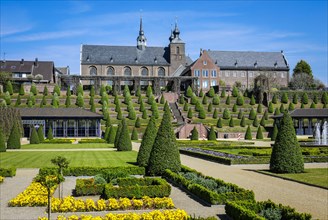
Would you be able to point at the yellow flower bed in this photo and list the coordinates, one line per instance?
(70, 204)
(154, 215)
(1, 179)
(34, 195)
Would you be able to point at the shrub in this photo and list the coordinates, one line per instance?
(137, 123)
(215, 114)
(252, 102)
(226, 114)
(34, 90)
(235, 91)
(111, 136)
(194, 134)
(242, 121)
(43, 101)
(262, 122)
(201, 93)
(119, 114)
(134, 135)
(284, 98)
(56, 90)
(231, 123)
(132, 113)
(204, 101)
(277, 111)
(211, 92)
(274, 99)
(189, 92)
(50, 135)
(84, 187)
(147, 143)
(248, 135)
(212, 135)
(9, 88)
(324, 98)
(219, 123)
(124, 142)
(181, 99)
(202, 113)
(68, 91)
(80, 101)
(7, 172)
(21, 90)
(286, 154)
(223, 93)
(295, 98)
(216, 100)
(305, 99)
(270, 108)
(154, 109)
(45, 91)
(2, 142)
(255, 122)
(259, 108)
(142, 106)
(240, 114)
(40, 134)
(210, 107)
(315, 98)
(227, 100)
(185, 106)
(68, 101)
(162, 100)
(7, 98)
(274, 133)
(34, 138)
(18, 101)
(144, 115)
(234, 108)
(259, 134)
(189, 114)
(165, 153)
(291, 106)
(252, 114)
(240, 100)
(118, 134)
(312, 105)
(79, 89)
(282, 109)
(14, 137)
(193, 99)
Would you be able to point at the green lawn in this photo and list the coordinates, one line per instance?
(66, 146)
(40, 159)
(318, 176)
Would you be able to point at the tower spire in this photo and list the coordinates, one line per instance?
(141, 39)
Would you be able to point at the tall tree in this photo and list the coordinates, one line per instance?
(302, 67)
(211, 134)
(134, 135)
(49, 134)
(118, 134)
(9, 88)
(248, 134)
(34, 138)
(147, 143)
(21, 89)
(14, 137)
(2, 141)
(286, 154)
(40, 134)
(165, 153)
(194, 134)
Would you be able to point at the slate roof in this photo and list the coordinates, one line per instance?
(307, 113)
(247, 60)
(57, 113)
(124, 55)
(44, 68)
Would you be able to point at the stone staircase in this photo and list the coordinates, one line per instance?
(176, 113)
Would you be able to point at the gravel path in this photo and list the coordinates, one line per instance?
(302, 197)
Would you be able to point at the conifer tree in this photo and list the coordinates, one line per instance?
(185, 106)
(79, 89)
(111, 136)
(226, 114)
(270, 108)
(201, 93)
(189, 92)
(137, 123)
(252, 114)
(240, 114)
(274, 132)
(68, 91)
(117, 107)
(7, 98)
(103, 90)
(162, 100)
(55, 101)
(223, 93)
(132, 113)
(57, 89)
(118, 134)
(49, 134)
(211, 92)
(107, 130)
(324, 98)
(295, 99)
(266, 115)
(234, 108)
(116, 100)
(119, 114)
(92, 91)
(212, 135)
(108, 121)
(252, 102)
(14, 137)
(91, 100)
(242, 121)
(93, 107)
(255, 122)
(198, 106)
(142, 106)
(18, 101)
(189, 114)
(274, 99)
(305, 98)
(228, 100)
(277, 111)
(147, 143)
(2, 141)
(231, 123)
(34, 138)
(138, 92)
(259, 108)
(216, 100)
(124, 143)
(80, 101)
(202, 113)
(204, 101)
(144, 114)
(248, 134)
(259, 134)
(21, 89)
(40, 134)
(284, 98)
(262, 122)
(235, 91)
(154, 110)
(315, 98)
(45, 90)
(312, 105)
(30, 104)
(9, 88)
(282, 109)
(151, 99)
(210, 107)
(291, 106)
(181, 99)
(149, 91)
(219, 123)
(215, 114)
(302, 105)
(193, 99)
(165, 153)
(68, 101)
(240, 100)
(134, 135)
(286, 154)
(43, 101)
(194, 134)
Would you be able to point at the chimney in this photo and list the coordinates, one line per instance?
(36, 62)
(201, 52)
(22, 62)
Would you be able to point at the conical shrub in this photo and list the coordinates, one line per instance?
(194, 134)
(211, 134)
(14, 138)
(248, 134)
(34, 138)
(124, 142)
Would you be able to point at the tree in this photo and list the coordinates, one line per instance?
(57, 89)
(9, 88)
(227, 100)
(194, 99)
(262, 122)
(2, 141)
(212, 135)
(266, 115)
(103, 90)
(18, 101)
(43, 101)
(215, 114)
(162, 100)
(21, 90)
(68, 101)
(14, 137)
(55, 101)
(235, 91)
(181, 99)
(137, 123)
(291, 106)
(234, 108)
(124, 142)
(154, 110)
(274, 99)
(7, 98)
(147, 143)
(40, 134)
(284, 98)
(216, 100)
(202, 113)
(68, 91)
(211, 92)
(92, 91)
(138, 92)
(219, 123)
(189, 114)
(301, 81)
(34, 138)
(194, 134)
(259, 108)
(282, 108)
(315, 98)
(295, 99)
(302, 67)
(111, 136)
(45, 91)
(274, 133)
(144, 114)
(201, 93)
(119, 114)
(242, 121)
(142, 106)
(259, 134)
(204, 101)
(80, 100)
(252, 114)
(324, 98)
(305, 99)
(151, 99)
(62, 163)
(165, 153)
(118, 134)
(210, 107)
(313, 105)
(107, 130)
(79, 89)
(226, 114)
(185, 106)
(231, 123)
(277, 111)
(286, 154)
(223, 93)
(255, 122)
(248, 134)
(240, 100)
(132, 113)
(134, 135)
(149, 91)
(252, 102)
(49, 134)
(240, 114)
(189, 92)
(270, 108)
(93, 107)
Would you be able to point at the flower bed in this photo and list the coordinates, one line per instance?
(2, 179)
(70, 204)
(164, 215)
(34, 195)
(213, 191)
(240, 210)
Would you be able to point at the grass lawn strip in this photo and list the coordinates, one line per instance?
(39, 159)
(66, 146)
(317, 177)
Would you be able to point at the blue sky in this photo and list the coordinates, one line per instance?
(54, 30)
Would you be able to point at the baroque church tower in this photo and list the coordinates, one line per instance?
(177, 50)
(141, 39)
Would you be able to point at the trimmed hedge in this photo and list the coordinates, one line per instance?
(249, 210)
(85, 187)
(92, 171)
(98, 140)
(208, 195)
(8, 172)
(57, 141)
(137, 188)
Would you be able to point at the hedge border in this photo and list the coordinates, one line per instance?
(7, 172)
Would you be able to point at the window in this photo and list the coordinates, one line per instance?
(205, 84)
(204, 62)
(110, 71)
(213, 83)
(196, 73)
(205, 73)
(213, 73)
(282, 75)
(161, 71)
(93, 71)
(144, 71)
(178, 50)
(127, 71)
(242, 74)
(227, 74)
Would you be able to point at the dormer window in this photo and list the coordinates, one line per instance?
(276, 64)
(155, 60)
(88, 58)
(236, 63)
(111, 59)
(205, 62)
(136, 59)
(255, 64)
